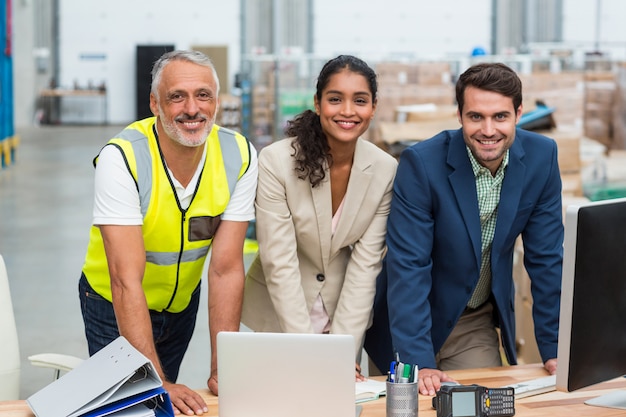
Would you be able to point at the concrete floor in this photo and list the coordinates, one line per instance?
(45, 214)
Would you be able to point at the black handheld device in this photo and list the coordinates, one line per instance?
(474, 401)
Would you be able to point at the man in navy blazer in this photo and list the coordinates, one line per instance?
(460, 201)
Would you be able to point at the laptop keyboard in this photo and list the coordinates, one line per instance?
(534, 386)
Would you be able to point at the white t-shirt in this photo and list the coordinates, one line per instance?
(116, 199)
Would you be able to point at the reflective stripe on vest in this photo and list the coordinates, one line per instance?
(174, 256)
(230, 155)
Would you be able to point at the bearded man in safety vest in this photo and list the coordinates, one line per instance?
(168, 189)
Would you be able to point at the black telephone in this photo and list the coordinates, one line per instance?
(474, 401)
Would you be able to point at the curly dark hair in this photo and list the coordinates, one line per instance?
(310, 144)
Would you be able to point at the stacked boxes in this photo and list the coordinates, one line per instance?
(600, 95)
(527, 350)
(262, 105)
(401, 84)
(271, 105)
(591, 101)
(262, 115)
(414, 123)
(229, 114)
(409, 84)
(619, 119)
(563, 91)
(568, 142)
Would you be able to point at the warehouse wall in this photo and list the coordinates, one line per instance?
(580, 18)
(97, 39)
(97, 42)
(385, 28)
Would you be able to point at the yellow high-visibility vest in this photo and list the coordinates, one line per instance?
(176, 241)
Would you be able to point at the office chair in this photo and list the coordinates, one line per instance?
(10, 351)
(9, 348)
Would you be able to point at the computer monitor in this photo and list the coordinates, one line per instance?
(592, 330)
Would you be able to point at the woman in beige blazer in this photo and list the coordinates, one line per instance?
(322, 204)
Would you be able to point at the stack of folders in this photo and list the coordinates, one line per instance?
(402, 373)
(118, 381)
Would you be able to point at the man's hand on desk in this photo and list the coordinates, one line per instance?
(212, 382)
(550, 366)
(429, 380)
(185, 400)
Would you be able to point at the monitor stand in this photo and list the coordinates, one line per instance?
(616, 399)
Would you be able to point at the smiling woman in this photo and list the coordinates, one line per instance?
(345, 108)
(321, 217)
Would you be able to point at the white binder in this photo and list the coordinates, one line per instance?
(118, 380)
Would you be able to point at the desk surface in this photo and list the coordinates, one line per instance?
(544, 405)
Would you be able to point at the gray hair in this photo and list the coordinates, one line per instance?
(194, 57)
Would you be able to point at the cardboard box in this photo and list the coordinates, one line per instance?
(572, 184)
(442, 112)
(599, 76)
(600, 92)
(527, 351)
(544, 81)
(599, 130)
(599, 111)
(391, 71)
(391, 132)
(568, 143)
(568, 103)
(433, 73)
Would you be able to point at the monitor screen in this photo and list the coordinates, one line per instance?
(592, 330)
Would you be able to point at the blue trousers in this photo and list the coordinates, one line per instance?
(171, 331)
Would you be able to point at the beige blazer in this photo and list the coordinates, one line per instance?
(299, 257)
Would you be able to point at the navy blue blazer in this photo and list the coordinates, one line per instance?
(434, 248)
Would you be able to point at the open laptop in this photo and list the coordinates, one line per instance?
(285, 375)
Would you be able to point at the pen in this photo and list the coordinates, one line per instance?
(392, 371)
(399, 370)
(406, 373)
(408, 369)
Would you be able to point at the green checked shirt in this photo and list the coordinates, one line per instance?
(488, 189)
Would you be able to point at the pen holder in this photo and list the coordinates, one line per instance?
(401, 399)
